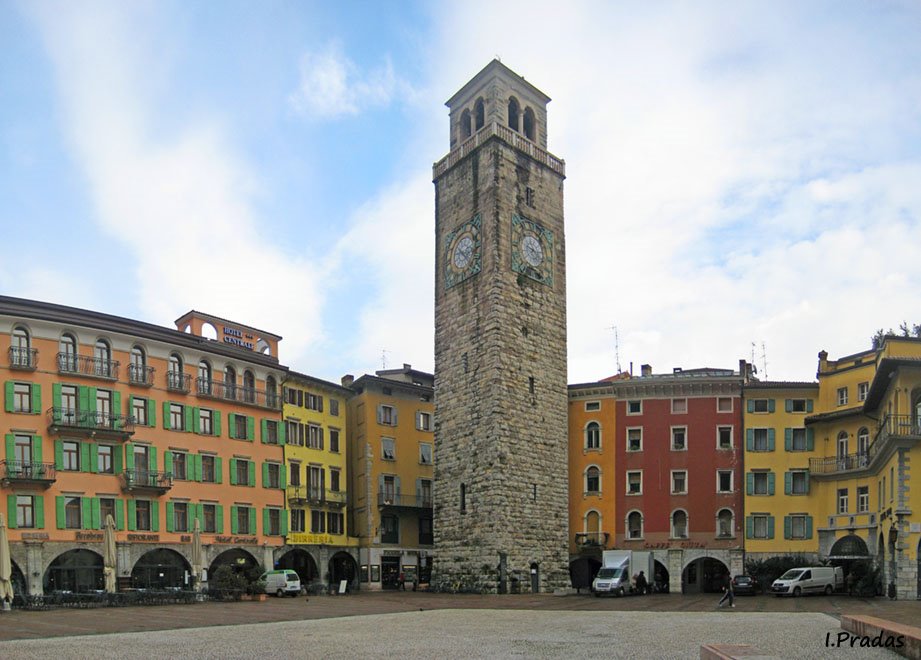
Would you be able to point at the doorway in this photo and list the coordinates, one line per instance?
(390, 572)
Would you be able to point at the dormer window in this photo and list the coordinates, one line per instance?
(513, 113)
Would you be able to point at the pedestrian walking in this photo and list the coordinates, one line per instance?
(728, 595)
(402, 582)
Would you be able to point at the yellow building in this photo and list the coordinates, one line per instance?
(391, 446)
(316, 488)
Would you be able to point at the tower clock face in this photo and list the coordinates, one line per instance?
(462, 252)
(532, 250)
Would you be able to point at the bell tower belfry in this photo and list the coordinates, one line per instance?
(501, 477)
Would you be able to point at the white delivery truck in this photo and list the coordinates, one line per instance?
(618, 569)
(809, 580)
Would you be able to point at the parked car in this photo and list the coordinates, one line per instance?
(745, 584)
(811, 579)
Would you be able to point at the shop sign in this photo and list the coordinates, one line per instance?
(141, 538)
(34, 536)
(237, 540)
(89, 536)
(238, 338)
(309, 539)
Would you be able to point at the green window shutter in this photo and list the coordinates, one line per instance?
(770, 405)
(166, 417)
(151, 413)
(230, 425)
(97, 514)
(117, 460)
(810, 439)
(283, 476)
(170, 512)
(265, 522)
(196, 467)
(86, 512)
(187, 418)
(85, 465)
(219, 518)
(787, 483)
(217, 423)
(38, 503)
(94, 456)
(770, 479)
(59, 514)
(788, 405)
(59, 454)
(263, 425)
(749, 527)
(252, 520)
(251, 471)
(808, 527)
(11, 511)
(10, 448)
(788, 439)
(233, 519)
(168, 461)
(120, 515)
(281, 433)
(196, 419)
(154, 516)
(265, 475)
(770, 439)
(218, 470)
(8, 396)
(117, 403)
(129, 456)
(131, 404)
(807, 482)
(36, 399)
(770, 527)
(808, 405)
(787, 527)
(37, 449)
(233, 471)
(56, 395)
(83, 398)
(132, 516)
(750, 483)
(91, 398)
(751, 405)
(750, 439)
(283, 519)
(250, 428)
(152, 459)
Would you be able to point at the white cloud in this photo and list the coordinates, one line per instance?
(332, 85)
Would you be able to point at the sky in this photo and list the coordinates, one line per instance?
(743, 179)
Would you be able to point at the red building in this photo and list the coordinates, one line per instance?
(679, 469)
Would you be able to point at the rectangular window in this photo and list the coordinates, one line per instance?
(390, 529)
(175, 417)
(634, 439)
(760, 526)
(294, 433)
(863, 499)
(207, 468)
(799, 482)
(529, 196)
(679, 438)
(73, 513)
(862, 390)
(139, 411)
(243, 521)
(242, 472)
(294, 473)
(635, 483)
(425, 453)
(724, 481)
(69, 404)
(760, 405)
(71, 455)
(314, 436)
(316, 480)
(209, 518)
(798, 439)
(22, 397)
(424, 421)
(106, 509)
(760, 440)
(142, 515)
(25, 511)
(387, 415)
(104, 459)
(179, 465)
(274, 516)
(298, 520)
(104, 408)
(239, 427)
(181, 517)
(760, 483)
(334, 479)
(842, 396)
(425, 492)
(842, 500)
(724, 437)
(388, 449)
(426, 532)
(592, 406)
(271, 432)
(797, 527)
(334, 523)
(798, 405)
(679, 406)
(334, 407)
(334, 440)
(273, 472)
(679, 482)
(634, 407)
(724, 404)
(206, 421)
(318, 521)
(314, 402)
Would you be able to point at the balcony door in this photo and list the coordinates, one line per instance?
(389, 489)
(69, 404)
(315, 483)
(142, 463)
(103, 408)
(842, 450)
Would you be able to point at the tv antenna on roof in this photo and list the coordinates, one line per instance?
(384, 352)
(616, 347)
(764, 359)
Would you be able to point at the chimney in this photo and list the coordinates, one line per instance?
(347, 380)
(407, 367)
(676, 370)
(646, 370)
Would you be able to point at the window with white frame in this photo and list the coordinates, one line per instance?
(679, 406)
(634, 525)
(863, 499)
(724, 481)
(725, 526)
(635, 439)
(761, 527)
(862, 390)
(425, 453)
(592, 480)
(724, 437)
(842, 500)
(635, 482)
(679, 482)
(760, 405)
(724, 404)
(423, 421)
(592, 406)
(842, 396)
(760, 485)
(388, 449)
(760, 440)
(798, 526)
(635, 407)
(679, 438)
(593, 435)
(679, 524)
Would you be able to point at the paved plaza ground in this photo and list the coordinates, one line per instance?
(423, 625)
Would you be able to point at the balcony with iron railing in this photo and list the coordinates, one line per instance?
(177, 381)
(94, 367)
(215, 389)
(592, 539)
(90, 422)
(302, 494)
(24, 359)
(146, 481)
(396, 500)
(138, 374)
(26, 473)
(893, 431)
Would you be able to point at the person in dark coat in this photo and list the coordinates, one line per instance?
(728, 595)
(641, 583)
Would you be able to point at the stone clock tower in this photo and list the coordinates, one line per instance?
(501, 503)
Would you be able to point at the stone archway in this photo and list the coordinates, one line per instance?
(660, 577)
(704, 575)
(75, 570)
(19, 582)
(301, 562)
(582, 571)
(342, 566)
(238, 559)
(161, 568)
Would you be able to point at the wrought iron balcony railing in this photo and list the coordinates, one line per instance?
(138, 374)
(90, 421)
(216, 389)
(23, 358)
(147, 480)
(308, 494)
(592, 539)
(178, 381)
(24, 472)
(385, 498)
(892, 429)
(95, 367)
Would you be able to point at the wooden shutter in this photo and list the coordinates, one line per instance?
(59, 454)
(151, 413)
(787, 483)
(265, 522)
(751, 405)
(265, 475)
(154, 516)
(233, 519)
(59, 512)
(788, 439)
(38, 504)
(218, 470)
(788, 527)
(770, 442)
(8, 387)
(750, 483)
(216, 422)
(119, 515)
(788, 405)
(36, 399)
(85, 457)
(132, 515)
(37, 449)
(233, 471)
(750, 438)
(810, 439)
(10, 448)
(808, 527)
(251, 473)
(250, 428)
(11, 511)
(770, 483)
(770, 527)
(219, 518)
(770, 405)
(166, 416)
(93, 450)
(170, 512)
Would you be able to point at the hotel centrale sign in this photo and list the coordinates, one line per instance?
(310, 539)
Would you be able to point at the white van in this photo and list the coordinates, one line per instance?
(808, 580)
(282, 582)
